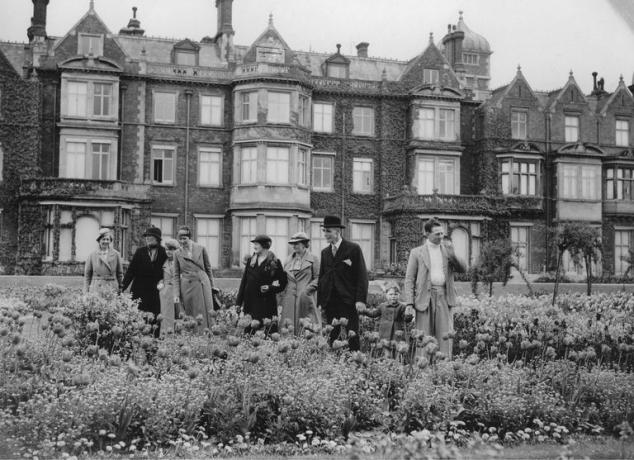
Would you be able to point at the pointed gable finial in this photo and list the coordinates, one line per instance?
(431, 37)
(621, 80)
(338, 48)
(270, 19)
(460, 13)
(384, 74)
(519, 69)
(570, 75)
(91, 6)
(134, 8)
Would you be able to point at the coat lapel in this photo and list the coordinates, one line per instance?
(425, 256)
(105, 260)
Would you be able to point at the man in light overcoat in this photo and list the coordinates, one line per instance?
(429, 285)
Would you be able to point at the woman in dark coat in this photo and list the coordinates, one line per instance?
(145, 272)
(262, 279)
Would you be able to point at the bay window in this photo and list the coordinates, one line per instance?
(248, 165)
(277, 229)
(77, 97)
(302, 166)
(277, 165)
(89, 98)
(436, 174)
(519, 177)
(436, 123)
(580, 181)
(619, 183)
(246, 109)
(94, 159)
(279, 106)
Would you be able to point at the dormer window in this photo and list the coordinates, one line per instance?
(269, 54)
(337, 70)
(90, 44)
(430, 76)
(185, 52)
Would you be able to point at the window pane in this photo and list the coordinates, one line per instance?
(101, 169)
(75, 160)
(279, 107)
(102, 97)
(211, 110)
(322, 118)
(208, 235)
(446, 177)
(426, 121)
(184, 58)
(166, 224)
(247, 233)
(362, 175)
(571, 129)
(77, 98)
(363, 235)
(363, 121)
(277, 229)
(165, 107)
(425, 176)
(322, 172)
(248, 165)
(209, 167)
(277, 165)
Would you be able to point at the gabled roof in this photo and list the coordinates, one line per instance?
(187, 45)
(5, 65)
(338, 58)
(89, 23)
(571, 85)
(499, 94)
(430, 58)
(15, 55)
(581, 148)
(622, 90)
(270, 38)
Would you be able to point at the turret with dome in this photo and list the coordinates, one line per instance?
(468, 54)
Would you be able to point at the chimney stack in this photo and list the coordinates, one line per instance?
(224, 8)
(362, 49)
(38, 21)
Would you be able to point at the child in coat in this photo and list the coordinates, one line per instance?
(393, 315)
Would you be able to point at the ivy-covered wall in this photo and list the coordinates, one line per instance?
(20, 146)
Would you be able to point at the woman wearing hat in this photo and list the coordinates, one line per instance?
(103, 270)
(144, 273)
(167, 293)
(298, 299)
(193, 279)
(262, 279)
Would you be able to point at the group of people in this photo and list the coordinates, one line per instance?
(332, 289)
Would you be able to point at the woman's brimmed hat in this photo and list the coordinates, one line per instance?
(103, 232)
(262, 239)
(153, 231)
(299, 237)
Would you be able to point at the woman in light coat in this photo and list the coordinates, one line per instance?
(167, 293)
(103, 270)
(298, 299)
(193, 279)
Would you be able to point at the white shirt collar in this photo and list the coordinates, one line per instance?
(338, 243)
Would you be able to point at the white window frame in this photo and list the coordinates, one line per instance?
(214, 248)
(431, 76)
(278, 229)
(318, 186)
(92, 38)
(191, 57)
(154, 149)
(516, 231)
(70, 167)
(279, 107)
(77, 101)
(304, 110)
(573, 183)
(571, 128)
(302, 166)
(248, 166)
(425, 123)
(323, 117)
(363, 121)
(620, 249)
(362, 178)
(246, 102)
(161, 114)
(336, 70)
(207, 158)
(211, 110)
(519, 124)
(622, 132)
(523, 172)
(103, 98)
(83, 103)
(278, 165)
(436, 160)
(364, 225)
(620, 187)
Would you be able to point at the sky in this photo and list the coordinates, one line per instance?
(548, 38)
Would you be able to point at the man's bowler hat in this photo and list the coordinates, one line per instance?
(332, 222)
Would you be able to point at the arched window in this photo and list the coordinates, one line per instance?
(460, 240)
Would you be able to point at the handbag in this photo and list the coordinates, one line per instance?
(215, 295)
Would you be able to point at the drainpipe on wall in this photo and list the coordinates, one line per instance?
(188, 95)
(123, 87)
(343, 168)
(548, 187)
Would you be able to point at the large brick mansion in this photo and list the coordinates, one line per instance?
(118, 129)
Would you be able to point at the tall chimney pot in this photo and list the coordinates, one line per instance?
(362, 49)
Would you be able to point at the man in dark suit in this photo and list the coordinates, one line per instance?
(343, 280)
(145, 272)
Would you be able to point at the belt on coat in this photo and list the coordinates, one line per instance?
(104, 278)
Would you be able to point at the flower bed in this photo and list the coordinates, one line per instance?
(91, 378)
